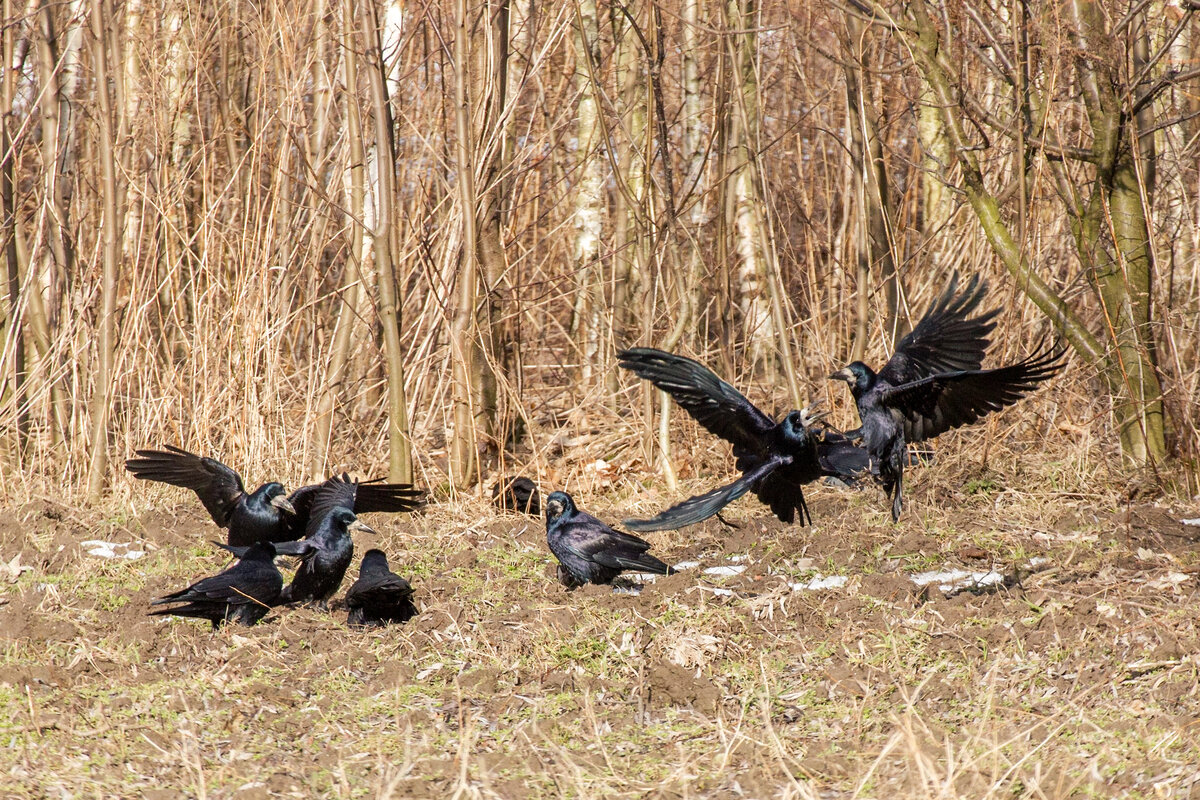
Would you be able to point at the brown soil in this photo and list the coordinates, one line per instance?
(700, 686)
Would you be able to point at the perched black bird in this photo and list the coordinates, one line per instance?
(934, 383)
(243, 593)
(517, 494)
(266, 514)
(379, 596)
(776, 458)
(323, 566)
(590, 551)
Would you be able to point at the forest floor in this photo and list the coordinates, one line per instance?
(809, 664)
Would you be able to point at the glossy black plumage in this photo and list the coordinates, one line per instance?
(242, 593)
(324, 566)
(379, 596)
(517, 494)
(934, 383)
(776, 458)
(266, 514)
(589, 551)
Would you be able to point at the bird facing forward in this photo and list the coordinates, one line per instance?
(933, 382)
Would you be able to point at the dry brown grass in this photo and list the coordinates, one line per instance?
(1081, 680)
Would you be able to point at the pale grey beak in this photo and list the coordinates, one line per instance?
(283, 504)
(843, 374)
(811, 420)
(359, 525)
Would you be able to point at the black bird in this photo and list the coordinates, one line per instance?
(266, 514)
(590, 551)
(776, 458)
(330, 550)
(517, 494)
(243, 593)
(379, 596)
(934, 383)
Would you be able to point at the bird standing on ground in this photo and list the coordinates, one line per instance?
(243, 593)
(266, 514)
(776, 458)
(379, 596)
(324, 566)
(517, 494)
(934, 383)
(588, 551)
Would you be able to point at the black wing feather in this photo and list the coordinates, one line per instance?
(712, 402)
(702, 506)
(935, 405)
(944, 340)
(218, 487)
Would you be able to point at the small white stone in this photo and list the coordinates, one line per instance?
(725, 571)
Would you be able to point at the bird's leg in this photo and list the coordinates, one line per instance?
(897, 500)
(727, 523)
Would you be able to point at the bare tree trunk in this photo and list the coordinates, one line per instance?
(463, 347)
(9, 230)
(399, 446)
(694, 158)
(752, 280)
(871, 174)
(589, 193)
(339, 354)
(1122, 279)
(112, 225)
(489, 89)
(630, 281)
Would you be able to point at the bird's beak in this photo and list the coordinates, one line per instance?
(843, 374)
(283, 504)
(815, 418)
(359, 525)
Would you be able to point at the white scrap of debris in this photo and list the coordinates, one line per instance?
(121, 550)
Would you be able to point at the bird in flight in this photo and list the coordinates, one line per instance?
(934, 382)
(776, 458)
(379, 596)
(243, 593)
(588, 551)
(267, 514)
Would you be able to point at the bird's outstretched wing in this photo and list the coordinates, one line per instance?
(945, 340)
(702, 506)
(313, 502)
(218, 487)
(936, 404)
(712, 402)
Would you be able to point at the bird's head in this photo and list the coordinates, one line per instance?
(276, 495)
(557, 504)
(375, 559)
(797, 423)
(345, 518)
(857, 375)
